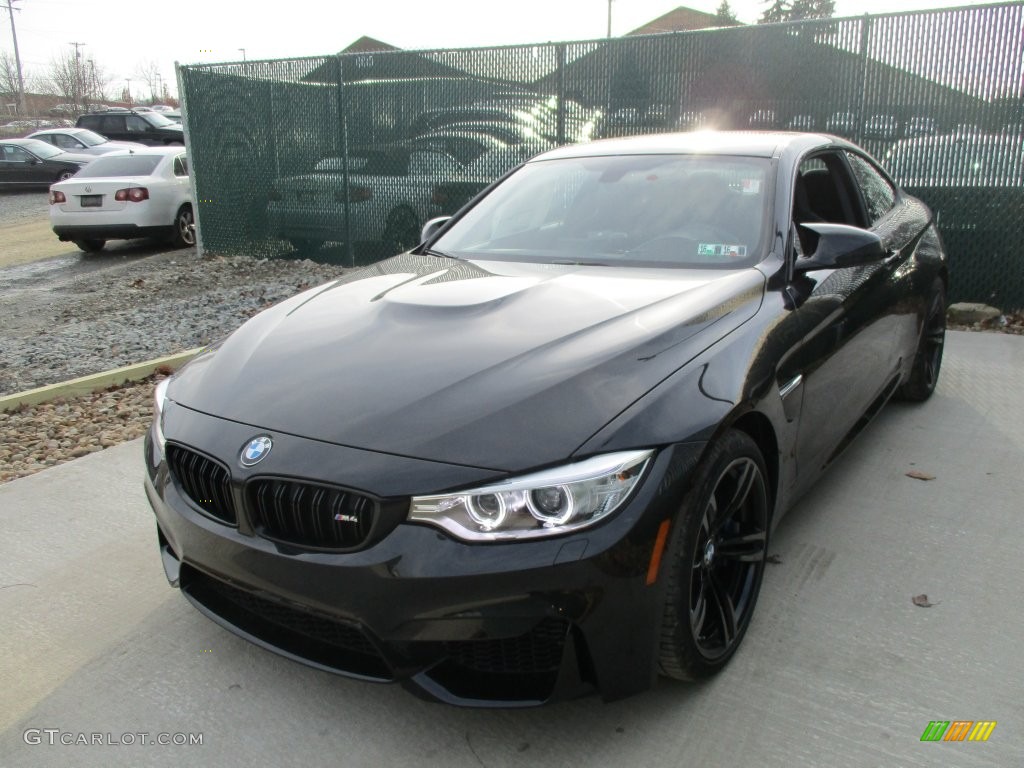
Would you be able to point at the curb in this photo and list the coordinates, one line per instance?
(95, 381)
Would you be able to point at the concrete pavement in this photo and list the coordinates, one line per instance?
(839, 668)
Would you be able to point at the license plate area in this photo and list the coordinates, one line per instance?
(91, 201)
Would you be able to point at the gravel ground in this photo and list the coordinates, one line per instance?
(44, 435)
(65, 318)
(17, 207)
(108, 311)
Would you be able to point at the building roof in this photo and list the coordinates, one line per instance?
(681, 19)
(368, 45)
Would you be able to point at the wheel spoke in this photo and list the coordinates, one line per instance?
(744, 482)
(748, 548)
(724, 610)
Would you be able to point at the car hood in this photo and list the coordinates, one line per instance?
(113, 144)
(72, 157)
(498, 365)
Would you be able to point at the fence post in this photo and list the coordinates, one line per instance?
(343, 141)
(865, 39)
(560, 55)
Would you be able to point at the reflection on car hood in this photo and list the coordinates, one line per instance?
(490, 364)
(72, 157)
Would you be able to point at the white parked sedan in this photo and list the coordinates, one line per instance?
(123, 196)
(82, 141)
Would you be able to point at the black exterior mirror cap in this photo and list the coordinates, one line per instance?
(840, 245)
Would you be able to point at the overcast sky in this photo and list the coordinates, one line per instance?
(119, 34)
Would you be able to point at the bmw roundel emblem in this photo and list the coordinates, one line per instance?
(256, 450)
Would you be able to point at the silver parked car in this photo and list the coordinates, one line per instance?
(82, 141)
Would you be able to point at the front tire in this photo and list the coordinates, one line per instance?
(715, 561)
(924, 371)
(184, 228)
(90, 246)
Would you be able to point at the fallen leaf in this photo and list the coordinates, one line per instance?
(922, 601)
(773, 559)
(920, 475)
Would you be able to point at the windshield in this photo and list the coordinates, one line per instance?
(89, 138)
(121, 165)
(41, 148)
(156, 119)
(698, 211)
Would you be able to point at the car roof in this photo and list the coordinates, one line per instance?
(739, 143)
(48, 131)
(27, 139)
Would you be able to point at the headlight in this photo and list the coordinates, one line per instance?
(546, 503)
(160, 398)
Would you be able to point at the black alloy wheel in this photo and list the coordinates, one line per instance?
(924, 374)
(716, 560)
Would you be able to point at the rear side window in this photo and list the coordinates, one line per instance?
(879, 195)
(121, 165)
(89, 121)
(181, 166)
(111, 124)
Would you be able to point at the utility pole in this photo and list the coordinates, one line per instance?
(609, 18)
(93, 90)
(129, 81)
(78, 72)
(17, 59)
(243, 53)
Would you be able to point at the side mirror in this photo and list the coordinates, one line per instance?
(840, 245)
(431, 227)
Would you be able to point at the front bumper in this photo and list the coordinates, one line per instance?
(509, 624)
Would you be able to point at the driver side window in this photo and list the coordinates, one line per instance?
(17, 155)
(823, 192)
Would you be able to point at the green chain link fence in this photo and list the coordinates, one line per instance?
(344, 157)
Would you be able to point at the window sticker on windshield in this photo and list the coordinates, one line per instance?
(719, 250)
(751, 186)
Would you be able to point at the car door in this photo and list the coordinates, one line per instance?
(113, 127)
(137, 129)
(845, 362)
(65, 142)
(19, 166)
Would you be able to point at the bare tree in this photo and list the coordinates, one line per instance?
(95, 82)
(8, 74)
(77, 80)
(63, 77)
(149, 73)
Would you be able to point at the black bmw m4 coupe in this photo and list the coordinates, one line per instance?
(542, 453)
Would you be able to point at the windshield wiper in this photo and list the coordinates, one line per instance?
(575, 263)
(441, 254)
